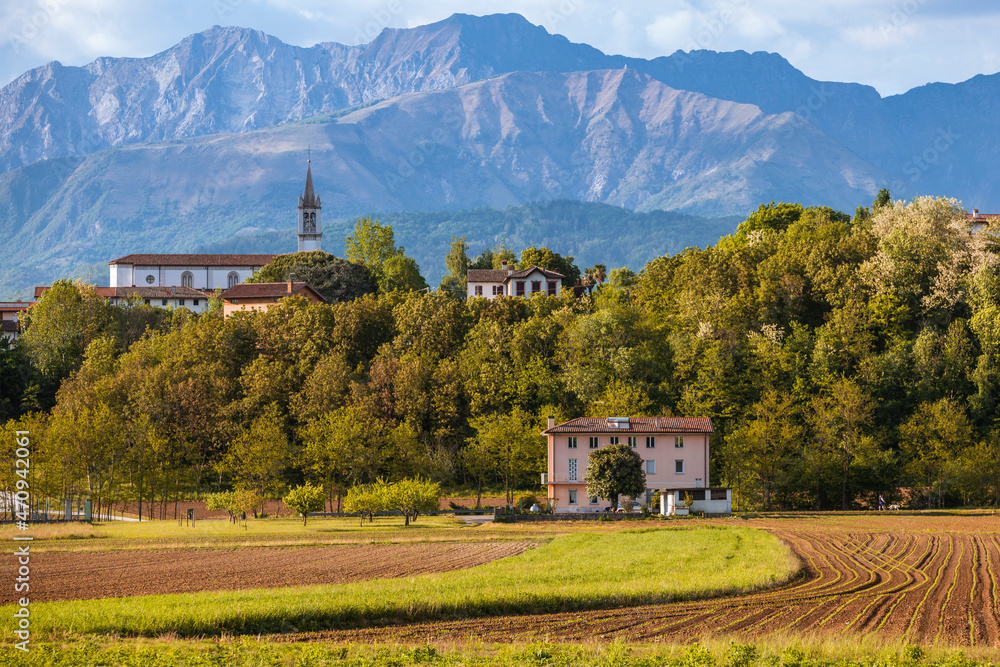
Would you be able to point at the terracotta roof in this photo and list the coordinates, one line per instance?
(15, 306)
(486, 275)
(266, 291)
(636, 425)
(194, 260)
(150, 292)
(501, 275)
(522, 273)
(40, 290)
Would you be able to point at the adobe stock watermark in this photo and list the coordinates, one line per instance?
(224, 8)
(899, 16)
(22, 552)
(32, 22)
(927, 159)
(713, 26)
(422, 149)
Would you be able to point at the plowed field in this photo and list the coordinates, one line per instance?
(88, 575)
(923, 587)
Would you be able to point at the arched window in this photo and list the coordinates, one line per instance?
(305, 219)
(234, 278)
(187, 279)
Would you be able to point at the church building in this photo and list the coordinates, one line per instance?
(208, 272)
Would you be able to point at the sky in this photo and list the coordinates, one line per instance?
(893, 45)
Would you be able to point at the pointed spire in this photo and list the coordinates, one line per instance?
(308, 198)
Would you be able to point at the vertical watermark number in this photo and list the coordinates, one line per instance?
(22, 546)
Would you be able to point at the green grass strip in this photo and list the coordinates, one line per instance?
(579, 571)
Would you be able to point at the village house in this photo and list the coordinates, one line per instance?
(491, 283)
(261, 296)
(674, 450)
(10, 311)
(161, 297)
(983, 221)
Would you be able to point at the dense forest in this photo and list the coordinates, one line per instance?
(839, 357)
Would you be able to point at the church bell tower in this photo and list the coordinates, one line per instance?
(309, 209)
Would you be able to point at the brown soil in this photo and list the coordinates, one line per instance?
(906, 583)
(77, 576)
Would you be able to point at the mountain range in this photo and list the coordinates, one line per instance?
(206, 141)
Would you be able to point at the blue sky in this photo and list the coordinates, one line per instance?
(893, 45)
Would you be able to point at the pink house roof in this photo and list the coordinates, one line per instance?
(635, 425)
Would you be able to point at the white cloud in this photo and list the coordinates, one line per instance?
(673, 31)
(758, 27)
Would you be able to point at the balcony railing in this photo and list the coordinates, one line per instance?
(561, 478)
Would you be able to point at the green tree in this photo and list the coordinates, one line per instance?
(401, 273)
(514, 441)
(413, 496)
(372, 244)
(222, 501)
(366, 499)
(304, 499)
(344, 447)
(456, 264)
(245, 502)
(260, 454)
(771, 217)
(615, 471)
(14, 373)
(553, 261)
(839, 420)
(933, 436)
(335, 278)
(57, 331)
(770, 438)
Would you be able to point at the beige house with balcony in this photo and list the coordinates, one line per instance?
(674, 450)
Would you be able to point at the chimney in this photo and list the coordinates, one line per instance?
(975, 213)
(289, 286)
(552, 420)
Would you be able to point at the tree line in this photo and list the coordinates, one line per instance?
(838, 356)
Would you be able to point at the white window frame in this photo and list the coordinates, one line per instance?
(594, 442)
(573, 467)
(633, 441)
(571, 442)
(650, 442)
(651, 467)
(573, 496)
(613, 440)
(679, 463)
(679, 442)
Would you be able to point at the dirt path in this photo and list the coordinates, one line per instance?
(87, 575)
(929, 588)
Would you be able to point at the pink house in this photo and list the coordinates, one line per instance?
(674, 452)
